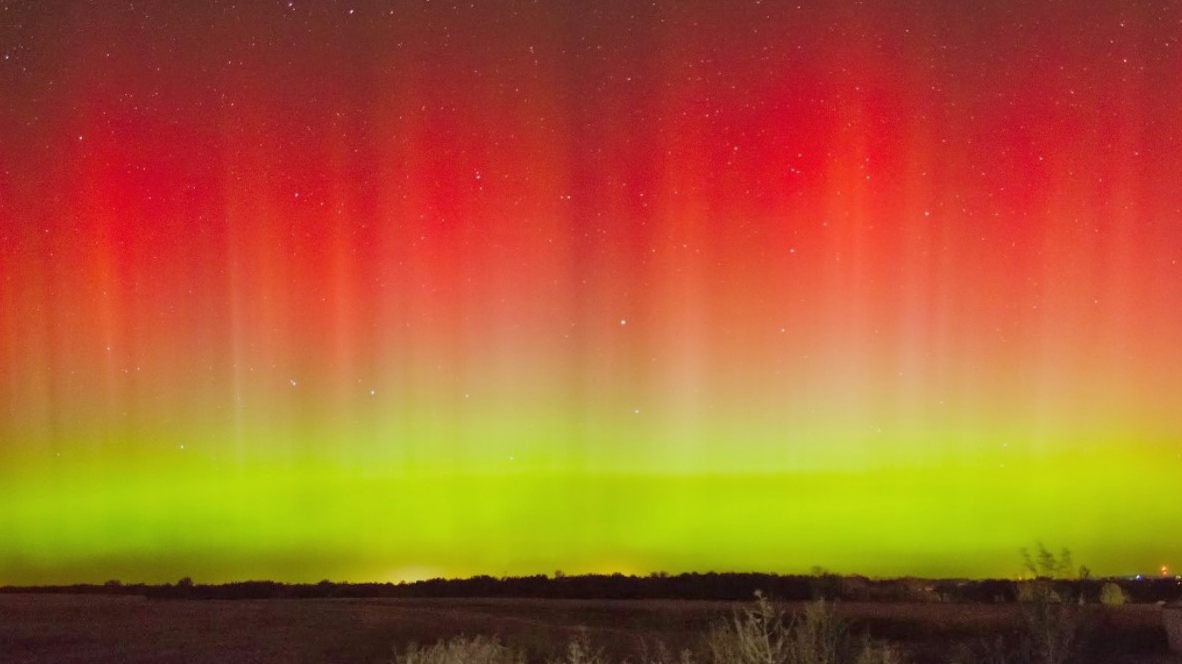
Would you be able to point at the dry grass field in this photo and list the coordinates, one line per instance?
(57, 629)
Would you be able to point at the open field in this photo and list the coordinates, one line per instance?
(75, 629)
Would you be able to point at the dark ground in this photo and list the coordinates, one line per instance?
(129, 629)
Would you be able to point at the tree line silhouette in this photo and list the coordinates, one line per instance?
(691, 586)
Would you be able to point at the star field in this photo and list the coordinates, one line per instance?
(354, 290)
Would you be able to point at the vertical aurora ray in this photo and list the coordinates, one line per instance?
(374, 291)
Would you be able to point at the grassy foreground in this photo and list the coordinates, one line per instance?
(55, 629)
(1046, 630)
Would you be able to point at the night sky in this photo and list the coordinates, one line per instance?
(386, 290)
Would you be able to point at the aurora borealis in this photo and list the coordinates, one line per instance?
(381, 290)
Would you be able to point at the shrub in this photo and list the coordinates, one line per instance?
(755, 635)
(661, 655)
(761, 634)
(872, 654)
(1112, 594)
(1051, 630)
(462, 650)
(579, 651)
(997, 650)
(1051, 622)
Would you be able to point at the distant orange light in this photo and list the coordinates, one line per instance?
(1165, 570)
